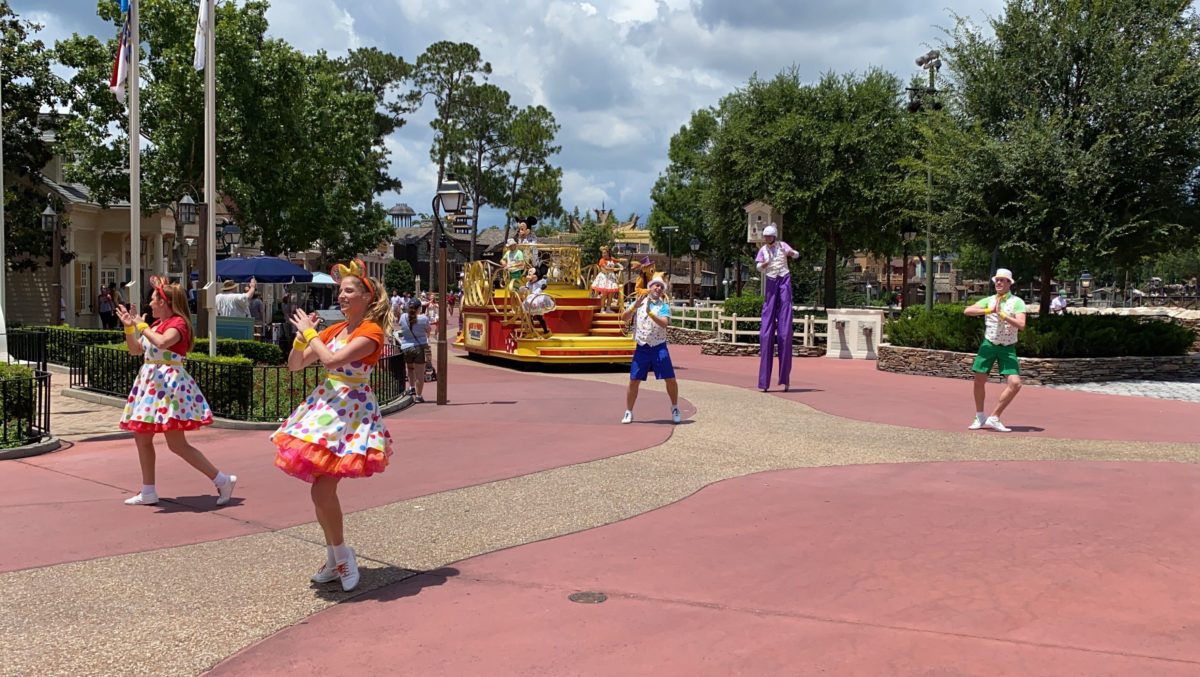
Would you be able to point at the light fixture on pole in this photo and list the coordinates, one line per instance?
(1085, 283)
(909, 234)
(669, 230)
(52, 224)
(231, 237)
(931, 61)
(450, 196)
(694, 245)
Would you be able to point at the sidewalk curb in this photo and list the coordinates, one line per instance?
(28, 450)
(119, 403)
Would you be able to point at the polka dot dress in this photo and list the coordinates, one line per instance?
(164, 396)
(337, 430)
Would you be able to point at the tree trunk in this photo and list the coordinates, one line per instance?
(512, 196)
(831, 300)
(1047, 272)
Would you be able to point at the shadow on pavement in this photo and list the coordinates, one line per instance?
(201, 503)
(411, 583)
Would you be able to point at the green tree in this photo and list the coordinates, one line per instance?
(299, 138)
(677, 194)
(399, 276)
(534, 184)
(592, 236)
(445, 72)
(29, 88)
(1076, 136)
(481, 153)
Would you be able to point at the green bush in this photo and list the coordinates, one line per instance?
(63, 342)
(744, 306)
(257, 351)
(16, 395)
(946, 328)
(225, 381)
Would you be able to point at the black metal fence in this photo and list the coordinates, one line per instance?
(24, 409)
(28, 347)
(234, 390)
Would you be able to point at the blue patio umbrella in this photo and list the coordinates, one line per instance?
(265, 269)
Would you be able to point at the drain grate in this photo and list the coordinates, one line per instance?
(587, 597)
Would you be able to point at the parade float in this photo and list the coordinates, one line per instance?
(498, 314)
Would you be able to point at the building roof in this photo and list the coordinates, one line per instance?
(401, 209)
(77, 193)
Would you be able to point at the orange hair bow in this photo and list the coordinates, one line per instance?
(354, 268)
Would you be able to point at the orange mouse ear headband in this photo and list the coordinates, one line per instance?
(354, 268)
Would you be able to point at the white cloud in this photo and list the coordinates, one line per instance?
(620, 76)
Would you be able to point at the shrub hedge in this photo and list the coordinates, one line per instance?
(112, 369)
(947, 328)
(62, 343)
(16, 400)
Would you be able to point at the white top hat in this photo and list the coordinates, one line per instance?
(1004, 273)
(770, 231)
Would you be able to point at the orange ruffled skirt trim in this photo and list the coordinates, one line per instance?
(170, 424)
(308, 460)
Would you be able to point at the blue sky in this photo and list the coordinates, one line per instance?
(620, 76)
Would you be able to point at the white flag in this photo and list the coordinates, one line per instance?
(201, 35)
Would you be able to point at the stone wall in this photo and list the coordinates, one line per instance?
(688, 337)
(715, 347)
(1040, 371)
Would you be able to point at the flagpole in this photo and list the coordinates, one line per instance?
(132, 294)
(3, 240)
(210, 166)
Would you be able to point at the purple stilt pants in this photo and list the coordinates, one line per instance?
(776, 331)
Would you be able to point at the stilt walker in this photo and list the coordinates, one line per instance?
(776, 329)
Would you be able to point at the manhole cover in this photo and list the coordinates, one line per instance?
(588, 597)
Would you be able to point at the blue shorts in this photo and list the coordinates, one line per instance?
(651, 358)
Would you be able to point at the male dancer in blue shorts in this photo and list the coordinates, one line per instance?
(653, 314)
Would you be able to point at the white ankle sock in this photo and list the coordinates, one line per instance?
(341, 553)
(329, 558)
(148, 490)
(979, 415)
(221, 479)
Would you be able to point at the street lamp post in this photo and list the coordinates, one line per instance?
(51, 223)
(450, 197)
(669, 230)
(818, 269)
(694, 245)
(931, 61)
(231, 237)
(1085, 282)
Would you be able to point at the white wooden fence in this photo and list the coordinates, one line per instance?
(725, 327)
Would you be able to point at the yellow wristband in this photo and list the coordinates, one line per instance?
(299, 344)
(309, 334)
(129, 329)
(142, 326)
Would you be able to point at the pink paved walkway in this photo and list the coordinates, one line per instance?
(855, 389)
(933, 569)
(68, 505)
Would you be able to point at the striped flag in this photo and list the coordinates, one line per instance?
(201, 36)
(120, 71)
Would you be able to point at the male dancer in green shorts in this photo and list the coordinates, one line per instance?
(1003, 315)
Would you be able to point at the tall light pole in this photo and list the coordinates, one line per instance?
(1085, 282)
(52, 224)
(3, 240)
(931, 61)
(909, 234)
(450, 197)
(694, 245)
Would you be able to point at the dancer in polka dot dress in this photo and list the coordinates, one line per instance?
(165, 398)
(338, 432)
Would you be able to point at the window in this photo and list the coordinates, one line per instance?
(83, 287)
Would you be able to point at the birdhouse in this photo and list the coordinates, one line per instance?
(759, 215)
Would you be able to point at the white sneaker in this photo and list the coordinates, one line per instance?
(143, 499)
(976, 423)
(328, 572)
(348, 572)
(994, 423)
(226, 492)
(675, 417)
(628, 417)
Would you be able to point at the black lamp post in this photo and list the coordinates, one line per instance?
(231, 237)
(669, 230)
(931, 61)
(450, 196)
(1085, 283)
(51, 223)
(694, 245)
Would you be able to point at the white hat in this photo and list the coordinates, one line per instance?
(770, 231)
(657, 280)
(510, 242)
(1004, 273)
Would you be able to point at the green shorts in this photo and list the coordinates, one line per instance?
(990, 353)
